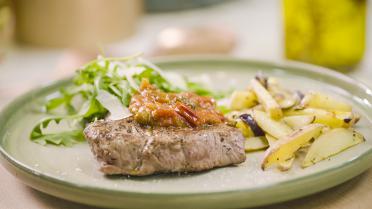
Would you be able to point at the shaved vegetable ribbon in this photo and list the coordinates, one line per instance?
(103, 89)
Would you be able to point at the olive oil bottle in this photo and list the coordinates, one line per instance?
(325, 32)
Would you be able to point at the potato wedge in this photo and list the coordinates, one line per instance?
(283, 97)
(265, 98)
(242, 99)
(275, 128)
(298, 121)
(325, 117)
(270, 139)
(251, 122)
(285, 101)
(331, 143)
(234, 115)
(285, 147)
(255, 143)
(323, 101)
(350, 118)
(282, 166)
(258, 107)
(244, 128)
(286, 165)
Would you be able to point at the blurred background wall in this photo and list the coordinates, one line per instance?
(75, 23)
(49, 39)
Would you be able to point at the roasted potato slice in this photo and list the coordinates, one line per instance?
(234, 115)
(298, 121)
(323, 101)
(255, 143)
(256, 129)
(258, 107)
(285, 147)
(283, 97)
(331, 119)
(244, 128)
(242, 100)
(265, 98)
(285, 100)
(275, 128)
(331, 143)
(286, 165)
(350, 118)
(270, 139)
(285, 122)
(282, 166)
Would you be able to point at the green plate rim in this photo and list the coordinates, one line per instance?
(367, 156)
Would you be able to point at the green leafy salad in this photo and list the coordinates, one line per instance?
(103, 89)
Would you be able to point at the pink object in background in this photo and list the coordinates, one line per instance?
(71, 60)
(195, 40)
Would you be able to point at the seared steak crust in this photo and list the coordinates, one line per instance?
(125, 147)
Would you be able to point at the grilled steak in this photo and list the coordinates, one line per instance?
(125, 147)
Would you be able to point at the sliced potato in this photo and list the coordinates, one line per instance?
(298, 121)
(343, 115)
(258, 107)
(234, 115)
(283, 97)
(331, 143)
(282, 166)
(255, 143)
(285, 101)
(286, 165)
(305, 111)
(285, 147)
(255, 128)
(262, 79)
(286, 123)
(321, 116)
(265, 98)
(349, 118)
(242, 100)
(275, 128)
(323, 101)
(244, 128)
(270, 139)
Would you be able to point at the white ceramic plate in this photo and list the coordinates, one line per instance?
(71, 173)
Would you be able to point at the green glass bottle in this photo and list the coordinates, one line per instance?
(325, 32)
